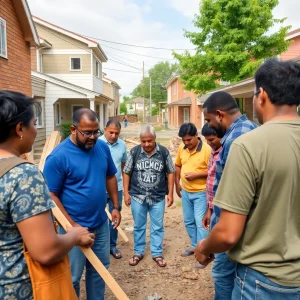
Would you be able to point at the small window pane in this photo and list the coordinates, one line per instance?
(3, 38)
(75, 64)
(97, 69)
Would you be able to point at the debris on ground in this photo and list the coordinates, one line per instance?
(154, 297)
(174, 143)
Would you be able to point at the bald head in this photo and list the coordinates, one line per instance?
(84, 113)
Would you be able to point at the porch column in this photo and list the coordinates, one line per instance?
(105, 113)
(92, 104)
(101, 121)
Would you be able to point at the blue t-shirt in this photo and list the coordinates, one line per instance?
(78, 176)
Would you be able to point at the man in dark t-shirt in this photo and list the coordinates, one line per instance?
(148, 178)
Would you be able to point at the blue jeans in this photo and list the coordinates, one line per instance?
(223, 272)
(194, 208)
(113, 232)
(95, 285)
(250, 284)
(139, 213)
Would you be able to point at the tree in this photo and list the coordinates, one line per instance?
(123, 108)
(160, 74)
(232, 42)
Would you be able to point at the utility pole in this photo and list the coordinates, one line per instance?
(150, 113)
(143, 93)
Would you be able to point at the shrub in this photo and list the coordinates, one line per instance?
(65, 129)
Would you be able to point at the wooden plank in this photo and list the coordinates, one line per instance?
(132, 141)
(51, 142)
(93, 259)
(120, 230)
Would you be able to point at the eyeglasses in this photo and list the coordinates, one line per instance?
(256, 94)
(88, 134)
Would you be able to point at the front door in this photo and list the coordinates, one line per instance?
(186, 115)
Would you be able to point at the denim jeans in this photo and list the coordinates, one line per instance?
(223, 272)
(95, 285)
(113, 232)
(156, 212)
(194, 208)
(250, 284)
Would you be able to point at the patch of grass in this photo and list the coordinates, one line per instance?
(159, 128)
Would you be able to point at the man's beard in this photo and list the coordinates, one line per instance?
(83, 145)
(220, 131)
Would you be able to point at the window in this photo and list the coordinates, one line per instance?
(3, 41)
(75, 107)
(39, 115)
(75, 64)
(41, 62)
(57, 114)
(97, 69)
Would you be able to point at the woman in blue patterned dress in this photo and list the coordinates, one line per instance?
(25, 204)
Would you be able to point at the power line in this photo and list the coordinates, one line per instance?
(137, 46)
(163, 58)
(122, 57)
(127, 65)
(122, 71)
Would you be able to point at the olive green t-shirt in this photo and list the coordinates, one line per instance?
(261, 179)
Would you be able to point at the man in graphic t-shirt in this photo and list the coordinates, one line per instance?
(148, 178)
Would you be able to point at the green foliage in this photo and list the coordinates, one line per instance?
(126, 98)
(123, 107)
(299, 110)
(160, 74)
(155, 110)
(65, 129)
(232, 42)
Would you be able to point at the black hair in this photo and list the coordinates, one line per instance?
(220, 101)
(15, 108)
(187, 129)
(113, 122)
(206, 130)
(84, 112)
(281, 81)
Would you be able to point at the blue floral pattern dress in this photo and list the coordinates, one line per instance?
(23, 194)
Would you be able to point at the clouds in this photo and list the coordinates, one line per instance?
(142, 22)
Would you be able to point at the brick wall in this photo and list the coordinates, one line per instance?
(15, 71)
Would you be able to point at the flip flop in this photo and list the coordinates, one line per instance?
(136, 259)
(187, 252)
(159, 261)
(116, 253)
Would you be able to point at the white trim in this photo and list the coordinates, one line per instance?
(42, 113)
(30, 21)
(75, 70)
(289, 37)
(67, 51)
(55, 115)
(3, 23)
(72, 105)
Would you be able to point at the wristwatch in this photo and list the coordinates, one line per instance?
(117, 207)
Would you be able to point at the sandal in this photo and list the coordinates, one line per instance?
(187, 252)
(159, 261)
(116, 253)
(136, 259)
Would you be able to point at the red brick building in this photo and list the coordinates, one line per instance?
(17, 35)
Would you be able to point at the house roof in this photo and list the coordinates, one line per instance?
(71, 86)
(91, 43)
(26, 22)
(292, 34)
(171, 80)
(44, 43)
(185, 101)
(111, 81)
(138, 100)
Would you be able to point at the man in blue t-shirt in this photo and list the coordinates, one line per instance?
(118, 152)
(78, 173)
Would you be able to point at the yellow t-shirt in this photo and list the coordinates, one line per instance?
(193, 162)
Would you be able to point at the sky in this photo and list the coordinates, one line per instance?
(154, 23)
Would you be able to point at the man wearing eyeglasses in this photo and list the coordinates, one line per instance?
(79, 172)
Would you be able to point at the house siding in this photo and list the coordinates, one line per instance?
(61, 64)
(83, 80)
(59, 40)
(15, 70)
(97, 84)
(293, 50)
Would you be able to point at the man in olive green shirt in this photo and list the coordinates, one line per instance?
(259, 193)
